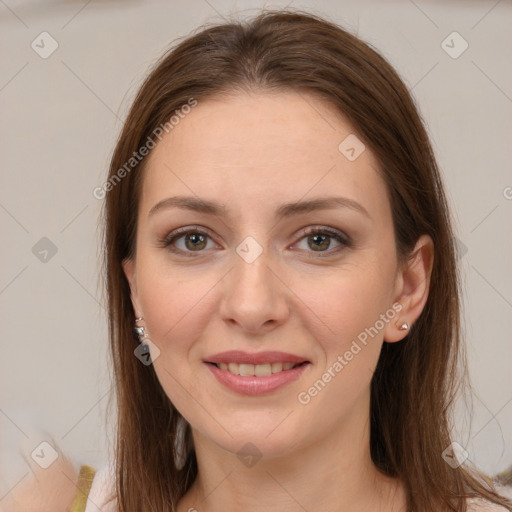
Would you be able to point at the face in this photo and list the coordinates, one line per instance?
(254, 276)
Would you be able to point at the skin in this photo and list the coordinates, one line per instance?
(254, 152)
(43, 490)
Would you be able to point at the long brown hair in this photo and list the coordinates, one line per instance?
(415, 381)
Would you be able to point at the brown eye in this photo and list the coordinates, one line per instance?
(186, 241)
(194, 241)
(321, 240)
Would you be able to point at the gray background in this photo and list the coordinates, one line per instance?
(60, 118)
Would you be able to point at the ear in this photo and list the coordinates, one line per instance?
(411, 288)
(129, 271)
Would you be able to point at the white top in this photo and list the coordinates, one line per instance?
(101, 488)
(103, 483)
(482, 505)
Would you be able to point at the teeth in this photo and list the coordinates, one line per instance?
(246, 370)
(258, 370)
(262, 370)
(277, 367)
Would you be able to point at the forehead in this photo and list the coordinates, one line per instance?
(261, 126)
(275, 147)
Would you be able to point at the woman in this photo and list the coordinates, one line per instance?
(278, 239)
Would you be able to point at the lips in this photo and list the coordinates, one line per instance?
(257, 358)
(254, 384)
(256, 373)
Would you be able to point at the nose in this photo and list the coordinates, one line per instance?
(254, 297)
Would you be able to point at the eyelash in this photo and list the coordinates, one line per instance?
(167, 241)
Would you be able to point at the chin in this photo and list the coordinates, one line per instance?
(255, 441)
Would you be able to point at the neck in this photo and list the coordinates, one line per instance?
(333, 474)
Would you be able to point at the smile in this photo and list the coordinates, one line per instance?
(256, 379)
(258, 370)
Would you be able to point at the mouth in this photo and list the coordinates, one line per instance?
(257, 379)
(257, 370)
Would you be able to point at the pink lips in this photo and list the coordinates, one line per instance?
(241, 357)
(253, 385)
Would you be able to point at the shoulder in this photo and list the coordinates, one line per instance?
(102, 489)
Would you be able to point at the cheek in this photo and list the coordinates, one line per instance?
(349, 341)
(177, 304)
(168, 313)
(343, 305)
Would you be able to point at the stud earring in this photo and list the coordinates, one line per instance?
(404, 326)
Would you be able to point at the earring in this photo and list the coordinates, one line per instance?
(139, 332)
(404, 326)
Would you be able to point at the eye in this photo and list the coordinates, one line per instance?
(320, 239)
(194, 240)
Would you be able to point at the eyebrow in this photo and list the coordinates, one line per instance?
(284, 211)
